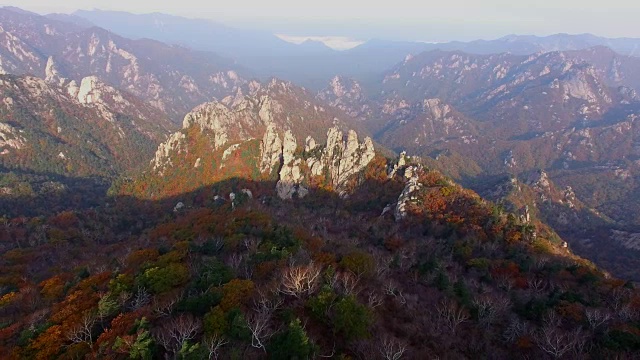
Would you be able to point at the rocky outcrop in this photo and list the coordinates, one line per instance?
(339, 160)
(436, 108)
(539, 180)
(234, 124)
(270, 150)
(408, 193)
(345, 158)
(291, 175)
(162, 158)
(10, 138)
(212, 116)
(347, 95)
(52, 74)
(310, 144)
(402, 162)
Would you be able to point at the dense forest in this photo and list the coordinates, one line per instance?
(251, 276)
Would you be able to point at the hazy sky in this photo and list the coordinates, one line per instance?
(440, 20)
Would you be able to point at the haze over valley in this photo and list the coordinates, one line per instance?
(272, 182)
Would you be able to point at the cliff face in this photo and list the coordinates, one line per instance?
(340, 160)
(269, 133)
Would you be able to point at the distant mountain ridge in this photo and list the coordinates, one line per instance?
(270, 56)
(573, 114)
(171, 78)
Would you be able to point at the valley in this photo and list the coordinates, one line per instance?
(181, 189)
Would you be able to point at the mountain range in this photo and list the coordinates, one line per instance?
(269, 55)
(176, 188)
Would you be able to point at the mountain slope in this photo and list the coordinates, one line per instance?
(171, 78)
(507, 114)
(49, 133)
(444, 274)
(259, 136)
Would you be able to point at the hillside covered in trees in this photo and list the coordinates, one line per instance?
(254, 276)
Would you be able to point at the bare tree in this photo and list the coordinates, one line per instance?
(267, 303)
(537, 286)
(301, 280)
(391, 288)
(123, 298)
(383, 263)
(374, 299)
(597, 317)
(173, 334)
(164, 306)
(555, 341)
(234, 261)
(213, 344)
(348, 283)
(259, 325)
(505, 282)
(541, 262)
(552, 319)
(515, 330)
(452, 315)
(391, 348)
(407, 257)
(252, 244)
(141, 298)
(82, 332)
(627, 313)
(487, 311)
(248, 271)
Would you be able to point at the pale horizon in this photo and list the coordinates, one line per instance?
(353, 22)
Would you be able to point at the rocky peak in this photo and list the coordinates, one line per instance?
(89, 90)
(162, 158)
(291, 175)
(408, 193)
(10, 138)
(347, 95)
(436, 108)
(340, 159)
(346, 157)
(52, 74)
(270, 149)
(258, 112)
(239, 120)
(341, 87)
(582, 83)
(539, 180)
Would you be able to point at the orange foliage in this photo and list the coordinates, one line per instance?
(6, 299)
(513, 236)
(52, 288)
(121, 325)
(573, 311)
(376, 169)
(236, 292)
(325, 258)
(506, 268)
(65, 220)
(137, 258)
(49, 343)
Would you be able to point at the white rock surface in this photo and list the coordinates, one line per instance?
(270, 149)
(408, 194)
(310, 144)
(162, 158)
(179, 206)
(10, 137)
(291, 175)
(346, 158)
